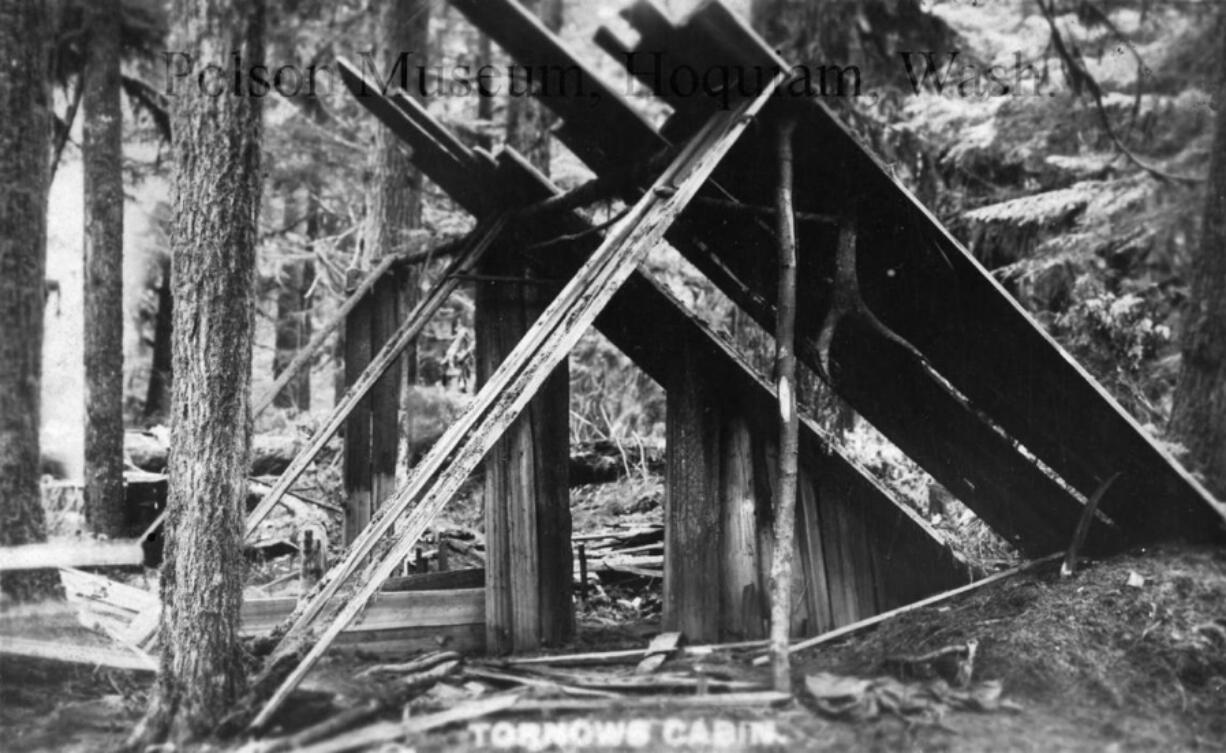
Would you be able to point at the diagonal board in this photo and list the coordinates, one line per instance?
(543, 347)
(651, 327)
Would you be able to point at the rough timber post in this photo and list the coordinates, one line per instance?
(527, 497)
(713, 584)
(372, 431)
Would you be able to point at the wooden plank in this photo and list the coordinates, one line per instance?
(445, 166)
(468, 578)
(388, 611)
(98, 656)
(467, 638)
(58, 554)
(98, 587)
(743, 594)
(553, 335)
(692, 521)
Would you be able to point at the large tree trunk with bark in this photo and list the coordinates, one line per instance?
(216, 201)
(1199, 417)
(103, 341)
(527, 499)
(25, 149)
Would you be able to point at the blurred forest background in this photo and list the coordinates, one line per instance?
(1074, 172)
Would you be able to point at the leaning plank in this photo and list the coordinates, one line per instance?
(937, 599)
(321, 336)
(56, 554)
(504, 396)
(98, 656)
(412, 325)
(386, 732)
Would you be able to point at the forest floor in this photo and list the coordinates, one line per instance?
(1128, 654)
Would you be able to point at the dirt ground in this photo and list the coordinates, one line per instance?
(1127, 655)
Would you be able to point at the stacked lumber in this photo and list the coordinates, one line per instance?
(636, 551)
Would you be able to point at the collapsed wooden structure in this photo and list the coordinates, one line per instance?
(946, 365)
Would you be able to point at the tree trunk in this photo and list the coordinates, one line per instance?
(157, 397)
(103, 342)
(25, 149)
(216, 200)
(1199, 416)
(293, 320)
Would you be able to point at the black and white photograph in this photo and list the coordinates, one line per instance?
(612, 375)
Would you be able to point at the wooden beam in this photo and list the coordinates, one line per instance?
(55, 554)
(97, 656)
(500, 401)
(692, 519)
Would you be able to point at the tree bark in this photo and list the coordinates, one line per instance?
(216, 201)
(1199, 415)
(25, 149)
(103, 341)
